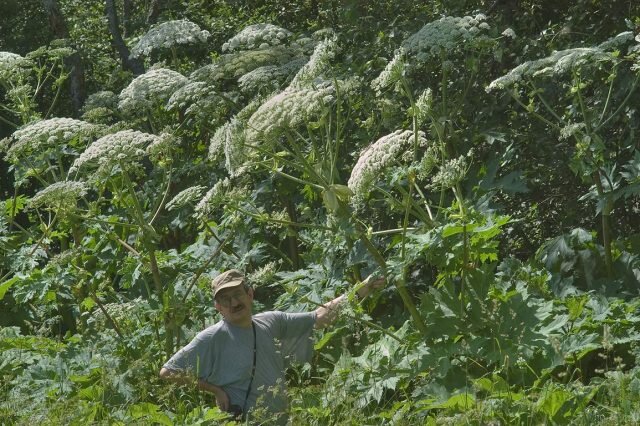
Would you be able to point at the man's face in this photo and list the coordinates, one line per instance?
(235, 305)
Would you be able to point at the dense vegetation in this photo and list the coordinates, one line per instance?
(482, 155)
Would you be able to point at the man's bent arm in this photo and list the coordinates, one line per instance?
(327, 313)
(222, 399)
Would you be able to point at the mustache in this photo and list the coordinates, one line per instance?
(237, 308)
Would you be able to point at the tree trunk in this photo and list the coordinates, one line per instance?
(154, 12)
(131, 64)
(127, 8)
(73, 63)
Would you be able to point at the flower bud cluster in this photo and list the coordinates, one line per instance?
(167, 35)
(100, 107)
(149, 90)
(377, 157)
(424, 104)
(289, 109)
(185, 197)
(122, 147)
(571, 129)
(60, 195)
(258, 36)
(12, 65)
(211, 199)
(451, 173)
(40, 135)
(445, 34)
(391, 73)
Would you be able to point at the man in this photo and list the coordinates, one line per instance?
(242, 359)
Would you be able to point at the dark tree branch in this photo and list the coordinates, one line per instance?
(73, 63)
(131, 64)
(154, 11)
(127, 9)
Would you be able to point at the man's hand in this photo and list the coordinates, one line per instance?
(222, 399)
(370, 284)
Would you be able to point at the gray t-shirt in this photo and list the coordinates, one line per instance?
(223, 356)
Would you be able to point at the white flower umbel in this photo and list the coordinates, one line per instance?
(149, 90)
(234, 65)
(124, 147)
(43, 134)
(211, 199)
(167, 35)
(289, 109)
(185, 197)
(102, 99)
(391, 73)
(319, 64)
(561, 62)
(60, 195)
(257, 36)
(195, 98)
(229, 139)
(12, 65)
(377, 157)
(445, 34)
(268, 78)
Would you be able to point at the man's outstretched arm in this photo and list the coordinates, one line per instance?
(327, 313)
(222, 399)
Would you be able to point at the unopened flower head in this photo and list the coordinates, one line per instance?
(167, 35)
(391, 74)
(235, 65)
(102, 99)
(12, 65)
(149, 90)
(509, 33)
(124, 147)
(451, 173)
(445, 34)
(162, 145)
(561, 62)
(211, 200)
(424, 104)
(43, 134)
(289, 109)
(257, 36)
(378, 156)
(60, 195)
(571, 129)
(264, 274)
(429, 161)
(185, 197)
(319, 63)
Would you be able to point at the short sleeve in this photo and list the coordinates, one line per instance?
(296, 335)
(196, 358)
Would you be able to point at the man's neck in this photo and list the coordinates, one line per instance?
(245, 323)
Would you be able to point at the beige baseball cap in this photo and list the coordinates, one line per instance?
(230, 278)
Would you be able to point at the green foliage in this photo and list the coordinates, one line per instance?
(339, 150)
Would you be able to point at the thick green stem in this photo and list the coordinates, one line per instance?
(400, 286)
(606, 224)
(153, 262)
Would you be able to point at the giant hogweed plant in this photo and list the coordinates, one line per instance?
(586, 95)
